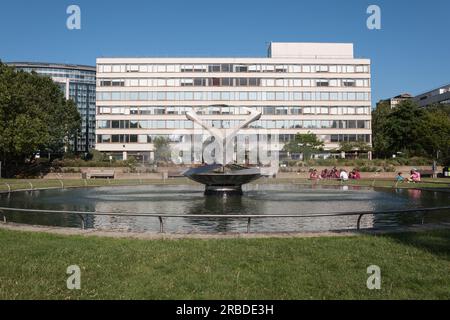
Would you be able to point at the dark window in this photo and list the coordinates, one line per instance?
(243, 82)
(254, 82)
(351, 124)
(214, 68)
(227, 82)
(226, 67)
(215, 82)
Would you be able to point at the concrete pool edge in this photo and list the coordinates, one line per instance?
(64, 231)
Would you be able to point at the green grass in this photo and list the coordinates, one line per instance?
(413, 266)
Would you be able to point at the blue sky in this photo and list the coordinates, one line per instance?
(411, 53)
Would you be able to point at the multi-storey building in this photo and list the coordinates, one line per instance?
(78, 84)
(299, 88)
(394, 101)
(440, 95)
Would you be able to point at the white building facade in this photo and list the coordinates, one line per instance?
(299, 88)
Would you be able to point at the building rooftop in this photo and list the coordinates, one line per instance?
(51, 65)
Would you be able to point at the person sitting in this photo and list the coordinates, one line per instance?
(313, 175)
(355, 174)
(334, 173)
(343, 176)
(399, 178)
(415, 176)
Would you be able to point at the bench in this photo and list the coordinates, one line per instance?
(100, 174)
(426, 173)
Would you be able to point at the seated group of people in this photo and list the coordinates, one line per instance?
(414, 177)
(334, 174)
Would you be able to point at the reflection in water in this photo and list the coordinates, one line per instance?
(258, 199)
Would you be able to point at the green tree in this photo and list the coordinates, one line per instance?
(306, 144)
(162, 149)
(380, 140)
(34, 115)
(435, 138)
(405, 129)
(349, 146)
(411, 130)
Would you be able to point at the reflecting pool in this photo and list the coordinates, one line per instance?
(257, 199)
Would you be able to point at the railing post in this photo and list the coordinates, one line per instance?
(62, 183)
(248, 224)
(161, 224)
(358, 224)
(83, 224)
(9, 187)
(4, 217)
(31, 185)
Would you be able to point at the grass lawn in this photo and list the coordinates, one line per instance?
(413, 266)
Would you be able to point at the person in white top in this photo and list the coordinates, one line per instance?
(344, 175)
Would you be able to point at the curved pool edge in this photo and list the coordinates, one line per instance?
(66, 231)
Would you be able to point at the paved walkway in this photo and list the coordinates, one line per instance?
(159, 236)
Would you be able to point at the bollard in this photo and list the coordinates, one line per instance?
(248, 224)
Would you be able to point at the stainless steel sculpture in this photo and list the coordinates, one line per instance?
(223, 177)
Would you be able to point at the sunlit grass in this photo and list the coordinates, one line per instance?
(413, 266)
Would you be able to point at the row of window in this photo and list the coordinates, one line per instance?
(284, 138)
(62, 73)
(226, 67)
(227, 124)
(231, 96)
(225, 110)
(233, 82)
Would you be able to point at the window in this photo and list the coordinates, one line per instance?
(349, 83)
(187, 82)
(241, 68)
(132, 68)
(215, 82)
(199, 82)
(214, 68)
(226, 67)
(227, 82)
(254, 82)
(242, 82)
(322, 83)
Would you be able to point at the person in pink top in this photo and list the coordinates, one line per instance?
(415, 176)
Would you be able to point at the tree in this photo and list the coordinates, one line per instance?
(34, 115)
(306, 144)
(162, 149)
(380, 141)
(436, 135)
(412, 130)
(349, 146)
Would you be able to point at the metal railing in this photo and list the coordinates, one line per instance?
(83, 214)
